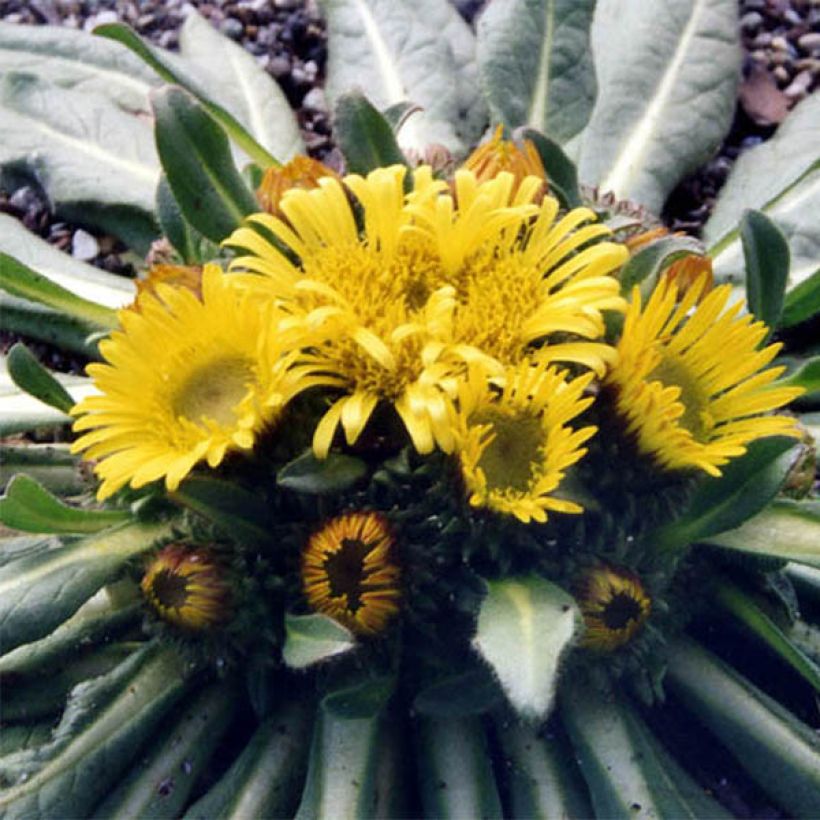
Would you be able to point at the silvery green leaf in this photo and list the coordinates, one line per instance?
(667, 76)
(781, 177)
(406, 50)
(234, 78)
(524, 627)
(310, 639)
(81, 147)
(536, 65)
(75, 59)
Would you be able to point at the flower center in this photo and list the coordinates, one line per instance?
(214, 390)
(169, 589)
(622, 609)
(508, 461)
(346, 573)
(695, 418)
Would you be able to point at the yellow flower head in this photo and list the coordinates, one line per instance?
(184, 381)
(399, 290)
(689, 382)
(348, 572)
(514, 443)
(614, 605)
(497, 155)
(188, 588)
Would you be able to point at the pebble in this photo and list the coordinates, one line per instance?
(751, 22)
(233, 28)
(799, 87)
(810, 43)
(315, 100)
(84, 246)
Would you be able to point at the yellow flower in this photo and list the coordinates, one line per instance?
(515, 444)
(497, 155)
(184, 381)
(188, 587)
(348, 572)
(429, 282)
(614, 605)
(689, 381)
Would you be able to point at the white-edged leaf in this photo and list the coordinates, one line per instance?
(536, 65)
(524, 627)
(75, 59)
(236, 81)
(310, 639)
(407, 50)
(781, 177)
(667, 76)
(81, 146)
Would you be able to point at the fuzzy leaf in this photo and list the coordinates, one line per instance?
(766, 253)
(310, 639)
(75, 60)
(29, 375)
(561, 171)
(174, 71)
(314, 476)
(365, 137)
(29, 507)
(102, 729)
(667, 79)
(802, 302)
(535, 64)
(39, 592)
(421, 52)
(83, 149)
(197, 160)
(524, 627)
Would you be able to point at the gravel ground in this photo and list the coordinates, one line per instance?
(781, 39)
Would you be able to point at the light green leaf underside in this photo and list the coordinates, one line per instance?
(524, 626)
(313, 638)
(667, 76)
(234, 79)
(535, 64)
(76, 60)
(786, 529)
(407, 50)
(80, 145)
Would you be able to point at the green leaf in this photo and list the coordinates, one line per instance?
(561, 171)
(767, 266)
(236, 510)
(310, 639)
(21, 281)
(52, 465)
(365, 137)
(39, 592)
(535, 63)
(748, 483)
(75, 60)
(29, 375)
(802, 302)
(455, 771)
(266, 778)
(469, 693)
(177, 758)
(780, 177)
(232, 77)
(81, 147)
(421, 52)
(629, 774)
(189, 243)
(807, 376)
(786, 529)
(19, 738)
(544, 781)
(524, 627)
(777, 750)
(364, 700)
(733, 599)
(645, 266)
(105, 724)
(19, 546)
(314, 476)
(667, 79)
(172, 71)
(196, 157)
(29, 507)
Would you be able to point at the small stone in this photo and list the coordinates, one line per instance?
(279, 66)
(810, 43)
(287, 4)
(315, 100)
(84, 246)
(763, 40)
(751, 22)
(781, 75)
(231, 27)
(24, 199)
(100, 19)
(780, 43)
(799, 86)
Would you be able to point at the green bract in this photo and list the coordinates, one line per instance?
(390, 630)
